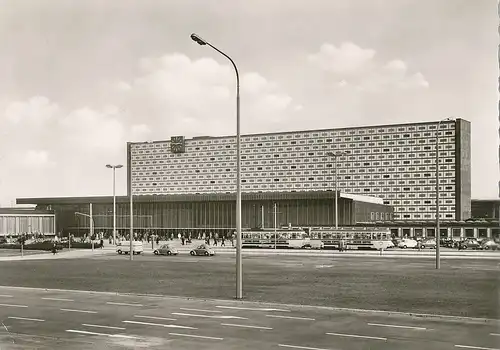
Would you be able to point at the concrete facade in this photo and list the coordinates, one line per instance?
(393, 162)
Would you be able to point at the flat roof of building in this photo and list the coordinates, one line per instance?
(23, 211)
(301, 131)
(203, 197)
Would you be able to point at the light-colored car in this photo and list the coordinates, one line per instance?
(489, 244)
(408, 243)
(123, 247)
(202, 249)
(166, 249)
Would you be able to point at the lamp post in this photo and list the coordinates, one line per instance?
(114, 167)
(131, 253)
(335, 155)
(92, 224)
(239, 284)
(438, 230)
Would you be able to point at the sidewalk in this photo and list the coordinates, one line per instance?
(65, 254)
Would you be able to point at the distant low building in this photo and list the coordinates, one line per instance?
(15, 221)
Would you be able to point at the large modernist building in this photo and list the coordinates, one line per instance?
(384, 173)
(393, 162)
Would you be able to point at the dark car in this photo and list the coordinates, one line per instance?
(428, 243)
(202, 249)
(166, 249)
(470, 243)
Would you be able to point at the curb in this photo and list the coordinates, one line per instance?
(327, 308)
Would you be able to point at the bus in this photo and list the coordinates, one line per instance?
(354, 237)
(280, 239)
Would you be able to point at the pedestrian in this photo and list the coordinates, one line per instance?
(157, 240)
(222, 244)
(102, 243)
(182, 239)
(54, 248)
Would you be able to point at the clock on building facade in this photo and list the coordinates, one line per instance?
(177, 144)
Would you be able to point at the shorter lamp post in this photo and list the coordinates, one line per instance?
(335, 155)
(114, 167)
(438, 229)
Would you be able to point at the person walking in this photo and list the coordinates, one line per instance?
(223, 243)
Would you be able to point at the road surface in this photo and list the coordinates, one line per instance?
(59, 319)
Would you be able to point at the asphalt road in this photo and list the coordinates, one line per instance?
(56, 319)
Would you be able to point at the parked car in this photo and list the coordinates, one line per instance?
(408, 243)
(428, 243)
(489, 244)
(166, 249)
(470, 243)
(202, 249)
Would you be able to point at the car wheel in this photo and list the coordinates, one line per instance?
(422, 246)
(192, 253)
(404, 247)
(119, 252)
(464, 247)
(487, 247)
(207, 253)
(155, 252)
(168, 252)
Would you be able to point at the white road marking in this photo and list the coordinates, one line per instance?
(244, 326)
(123, 304)
(210, 316)
(300, 347)
(159, 325)
(5, 296)
(292, 317)
(322, 266)
(99, 326)
(105, 334)
(196, 336)
(13, 305)
(475, 347)
(27, 319)
(395, 326)
(251, 308)
(156, 318)
(82, 311)
(356, 336)
(202, 310)
(495, 334)
(58, 299)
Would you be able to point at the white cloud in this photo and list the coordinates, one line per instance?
(348, 58)
(353, 66)
(34, 159)
(191, 97)
(36, 110)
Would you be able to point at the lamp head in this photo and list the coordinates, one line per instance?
(199, 40)
(118, 166)
(109, 166)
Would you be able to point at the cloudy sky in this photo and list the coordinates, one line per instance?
(78, 79)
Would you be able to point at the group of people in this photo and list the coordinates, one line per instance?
(210, 238)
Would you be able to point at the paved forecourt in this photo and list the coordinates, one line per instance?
(60, 319)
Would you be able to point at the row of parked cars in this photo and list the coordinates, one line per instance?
(467, 243)
(123, 247)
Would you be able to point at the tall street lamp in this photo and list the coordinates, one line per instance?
(438, 230)
(335, 155)
(239, 283)
(114, 167)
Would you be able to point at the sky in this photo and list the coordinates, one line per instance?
(78, 79)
